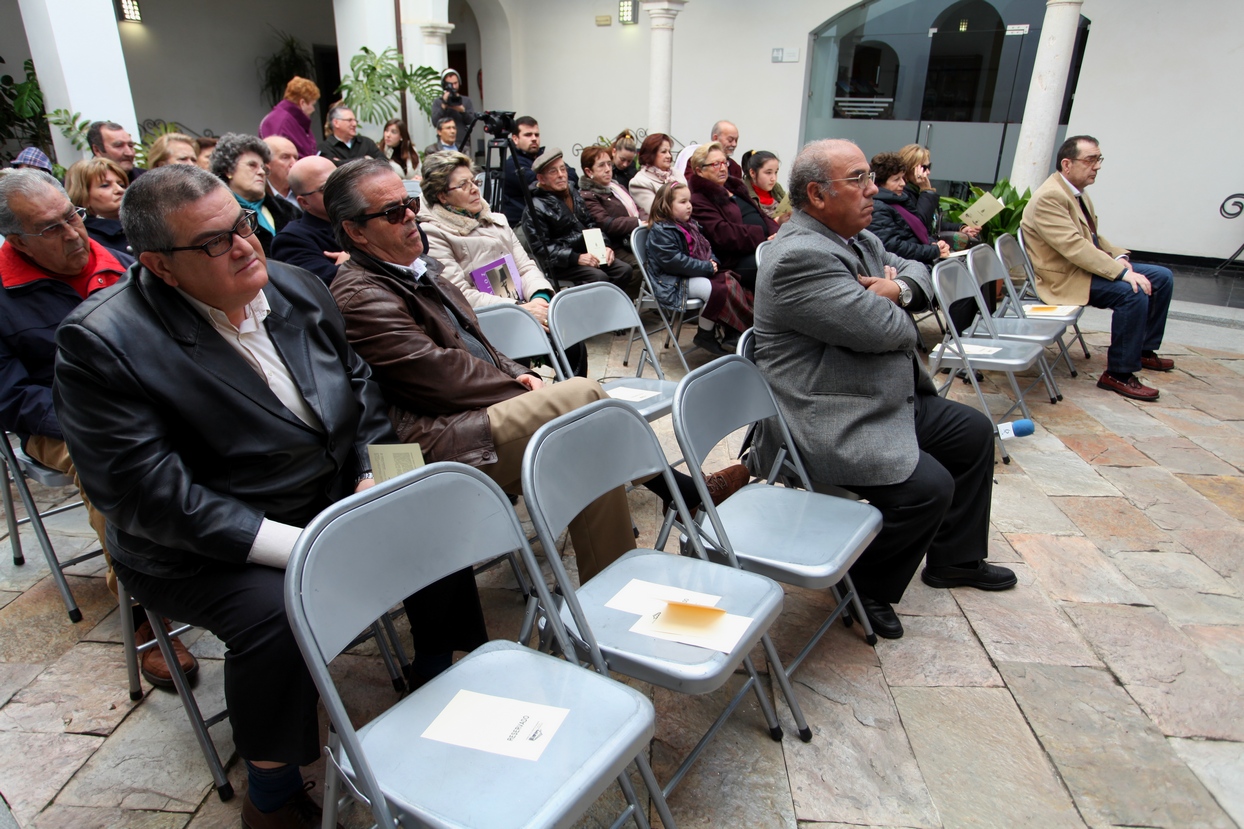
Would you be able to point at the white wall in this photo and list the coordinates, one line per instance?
(1159, 90)
(195, 62)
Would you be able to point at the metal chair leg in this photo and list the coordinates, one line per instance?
(125, 609)
(15, 539)
(28, 501)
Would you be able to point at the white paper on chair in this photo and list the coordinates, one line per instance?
(498, 725)
(594, 239)
(645, 597)
(1050, 310)
(973, 350)
(631, 395)
(696, 624)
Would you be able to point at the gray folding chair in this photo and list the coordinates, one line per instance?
(795, 536)
(18, 466)
(578, 457)
(951, 282)
(760, 251)
(747, 345)
(360, 557)
(647, 300)
(517, 334)
(1014, 256)
(585, 311)
(164, 641)
(986, 267)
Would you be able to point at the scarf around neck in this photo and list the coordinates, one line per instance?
(257, 206)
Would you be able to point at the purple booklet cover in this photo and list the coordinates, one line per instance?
(499, 278)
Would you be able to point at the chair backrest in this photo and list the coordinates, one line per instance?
(366, 553)
(584, 311)
(1014, 258)
(953, 281)
(720, 398)
(747, 345)
(639, 246)
(760, 251)
(988, 268)
(517, 334)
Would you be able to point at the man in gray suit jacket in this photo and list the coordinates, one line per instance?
(836, 342)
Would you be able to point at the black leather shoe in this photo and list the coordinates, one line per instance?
(980, 574)
(884, 620)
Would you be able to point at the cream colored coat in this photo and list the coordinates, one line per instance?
(1060, 244)
(462, 244)
(643, 189)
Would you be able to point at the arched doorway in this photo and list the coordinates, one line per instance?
(950, 74)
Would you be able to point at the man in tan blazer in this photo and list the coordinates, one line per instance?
(1076, 265)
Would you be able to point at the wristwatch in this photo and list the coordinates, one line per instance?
(904, 293)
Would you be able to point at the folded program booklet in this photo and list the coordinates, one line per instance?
(499, 278)
(388, 460)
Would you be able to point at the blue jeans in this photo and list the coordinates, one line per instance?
(1139, 318)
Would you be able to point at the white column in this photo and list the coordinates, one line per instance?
(1045, 94)
(362, 23)
(661, 14)
(77, 54)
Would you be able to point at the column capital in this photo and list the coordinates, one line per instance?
(662, 12)
(434, 33)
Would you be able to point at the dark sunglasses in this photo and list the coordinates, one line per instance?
(394, 215)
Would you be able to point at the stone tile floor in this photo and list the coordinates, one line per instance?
(1106, 689)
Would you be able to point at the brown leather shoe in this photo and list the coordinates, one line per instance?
(299, 812)
(725, 482)
(1128, 388)
(153, 666)
(1156, 363)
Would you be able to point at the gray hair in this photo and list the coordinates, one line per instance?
(343, 199)
(813, 164)
(231, 147)
(717, 127)
(147, 203)
(28, 182)
(335, 112)
(437, 168)
(445, 120)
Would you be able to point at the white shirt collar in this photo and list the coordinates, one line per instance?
(1075, 191)
(256, 312)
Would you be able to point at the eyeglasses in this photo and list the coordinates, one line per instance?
(717, 165)
(466, 186)
(859, 180)
(310, 193)
(1092, 160)
(394, 215)
(67, 224)
(222, 243)
(926, 167)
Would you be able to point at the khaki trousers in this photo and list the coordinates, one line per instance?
(54, 454)
(602, 532)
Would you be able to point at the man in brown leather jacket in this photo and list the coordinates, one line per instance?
(450, 390)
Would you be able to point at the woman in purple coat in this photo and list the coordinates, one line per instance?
(730, 219)
(291, 117)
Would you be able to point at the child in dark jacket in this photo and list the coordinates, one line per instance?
(681, 264)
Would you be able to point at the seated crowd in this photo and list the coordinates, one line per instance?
(320, 296)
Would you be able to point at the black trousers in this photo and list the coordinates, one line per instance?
(941, 510)
(619, 273)
(269, 692)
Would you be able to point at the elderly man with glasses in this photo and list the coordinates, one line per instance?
(213, 407)
(1076, 265)
(344, 142)
(836, 344)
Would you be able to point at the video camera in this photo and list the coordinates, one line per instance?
(454, 99)
(498, 124)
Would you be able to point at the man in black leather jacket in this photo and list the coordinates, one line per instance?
(554, 227)
(212, 406)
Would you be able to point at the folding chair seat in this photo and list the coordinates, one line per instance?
(1015, 259)
(164, 641)
(795, 536)
(361, 556)
(19, 467)
(584, 311)
(517, 334)
(951, 282)
(986, 267)
(647, 300)
(573, 460)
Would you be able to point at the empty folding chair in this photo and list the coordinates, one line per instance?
(795, 536)
(615, 618)
(1014, 306)
(164, 641)
(584, 311)
(1014, 257)
(517, 334)
(986, 267)
(952, 281)
(19, 466)
(647, 299)
(425, 761)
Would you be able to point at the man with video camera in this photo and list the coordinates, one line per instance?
(453, 104)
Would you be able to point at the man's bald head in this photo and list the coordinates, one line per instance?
(306, 181)
(727, 134)
(829, 182)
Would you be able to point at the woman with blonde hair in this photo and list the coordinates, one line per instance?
(172, 148)
(98, 184)
(623, 151)
(922, 199)
(291, 117)
(731, 221)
